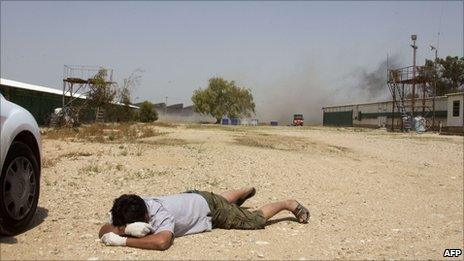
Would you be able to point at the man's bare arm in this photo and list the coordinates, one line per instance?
(159, 241)
(106, 228)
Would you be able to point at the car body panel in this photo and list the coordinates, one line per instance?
(13, 120)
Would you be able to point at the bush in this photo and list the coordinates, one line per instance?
(147, 112)
(120, 113)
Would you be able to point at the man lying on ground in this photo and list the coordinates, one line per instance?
(153, 222)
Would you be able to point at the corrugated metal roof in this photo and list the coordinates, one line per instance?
(379, 102)
(176, 106)
(32, 87)
(455, 93)
(38, 88)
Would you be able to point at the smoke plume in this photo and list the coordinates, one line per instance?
(305, 93)
(301, 93)
(373, 83)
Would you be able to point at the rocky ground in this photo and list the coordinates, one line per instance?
(372, 194)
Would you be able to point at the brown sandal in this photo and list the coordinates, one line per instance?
(299, 212)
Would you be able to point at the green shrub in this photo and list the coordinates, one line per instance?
(147, 112)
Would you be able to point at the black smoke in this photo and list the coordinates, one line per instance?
(373, 83)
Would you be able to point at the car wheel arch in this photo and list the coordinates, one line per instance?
(29, 139)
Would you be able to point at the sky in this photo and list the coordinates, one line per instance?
(287, 53)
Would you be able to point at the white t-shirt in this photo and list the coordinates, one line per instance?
(181, 214)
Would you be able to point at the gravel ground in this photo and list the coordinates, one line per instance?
(372, 194)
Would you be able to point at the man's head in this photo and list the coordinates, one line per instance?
(129, 208)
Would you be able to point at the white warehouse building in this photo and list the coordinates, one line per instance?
(448, 113)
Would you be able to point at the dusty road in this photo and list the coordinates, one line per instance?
(372, 194)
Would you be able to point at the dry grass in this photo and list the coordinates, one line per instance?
(49, 162)
(60, 134)
(287, 143)
(165, 124)
(103, 133)
(333, 148)
(138, 175)
(147, 132)
(165, 142)
(139, 151)
(259, 141)
(148, 173)
(427, 138)
(90, 170)
(198, 126)
(76, 154)
(119, 167)
(234, 128)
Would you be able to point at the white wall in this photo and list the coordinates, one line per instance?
(441, 104)
(455, 120)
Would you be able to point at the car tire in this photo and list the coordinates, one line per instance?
(19, 189)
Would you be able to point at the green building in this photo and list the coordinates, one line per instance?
(41, 101)
(379, 114)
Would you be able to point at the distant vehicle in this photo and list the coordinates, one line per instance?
(298, 120)
(20, 154)
(234, 121)
(224, 121)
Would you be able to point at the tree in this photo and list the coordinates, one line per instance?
(125, 113)
(147, 112)
(223, 98)
(448, 72)
(102, 92)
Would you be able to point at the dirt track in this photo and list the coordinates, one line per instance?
(372, 194)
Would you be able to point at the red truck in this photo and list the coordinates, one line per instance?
(297, 120)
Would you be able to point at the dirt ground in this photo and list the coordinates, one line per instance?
(371, 194)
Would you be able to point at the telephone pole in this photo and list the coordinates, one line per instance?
(435, 76)
(414, 47)
(166, 106)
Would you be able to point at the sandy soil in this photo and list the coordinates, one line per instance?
(372, 194)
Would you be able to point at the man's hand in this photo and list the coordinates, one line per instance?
(111, 239)
(138, 229)
(107, 228)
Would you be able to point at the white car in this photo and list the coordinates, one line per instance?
(20, 154)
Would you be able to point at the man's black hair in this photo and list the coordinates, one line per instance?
(127, 209)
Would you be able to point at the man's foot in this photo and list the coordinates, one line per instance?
(251, 192)
(301, 213)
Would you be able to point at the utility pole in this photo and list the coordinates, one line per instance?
(394, 97)
(435, 76)
(414, 47)
(166, 106)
